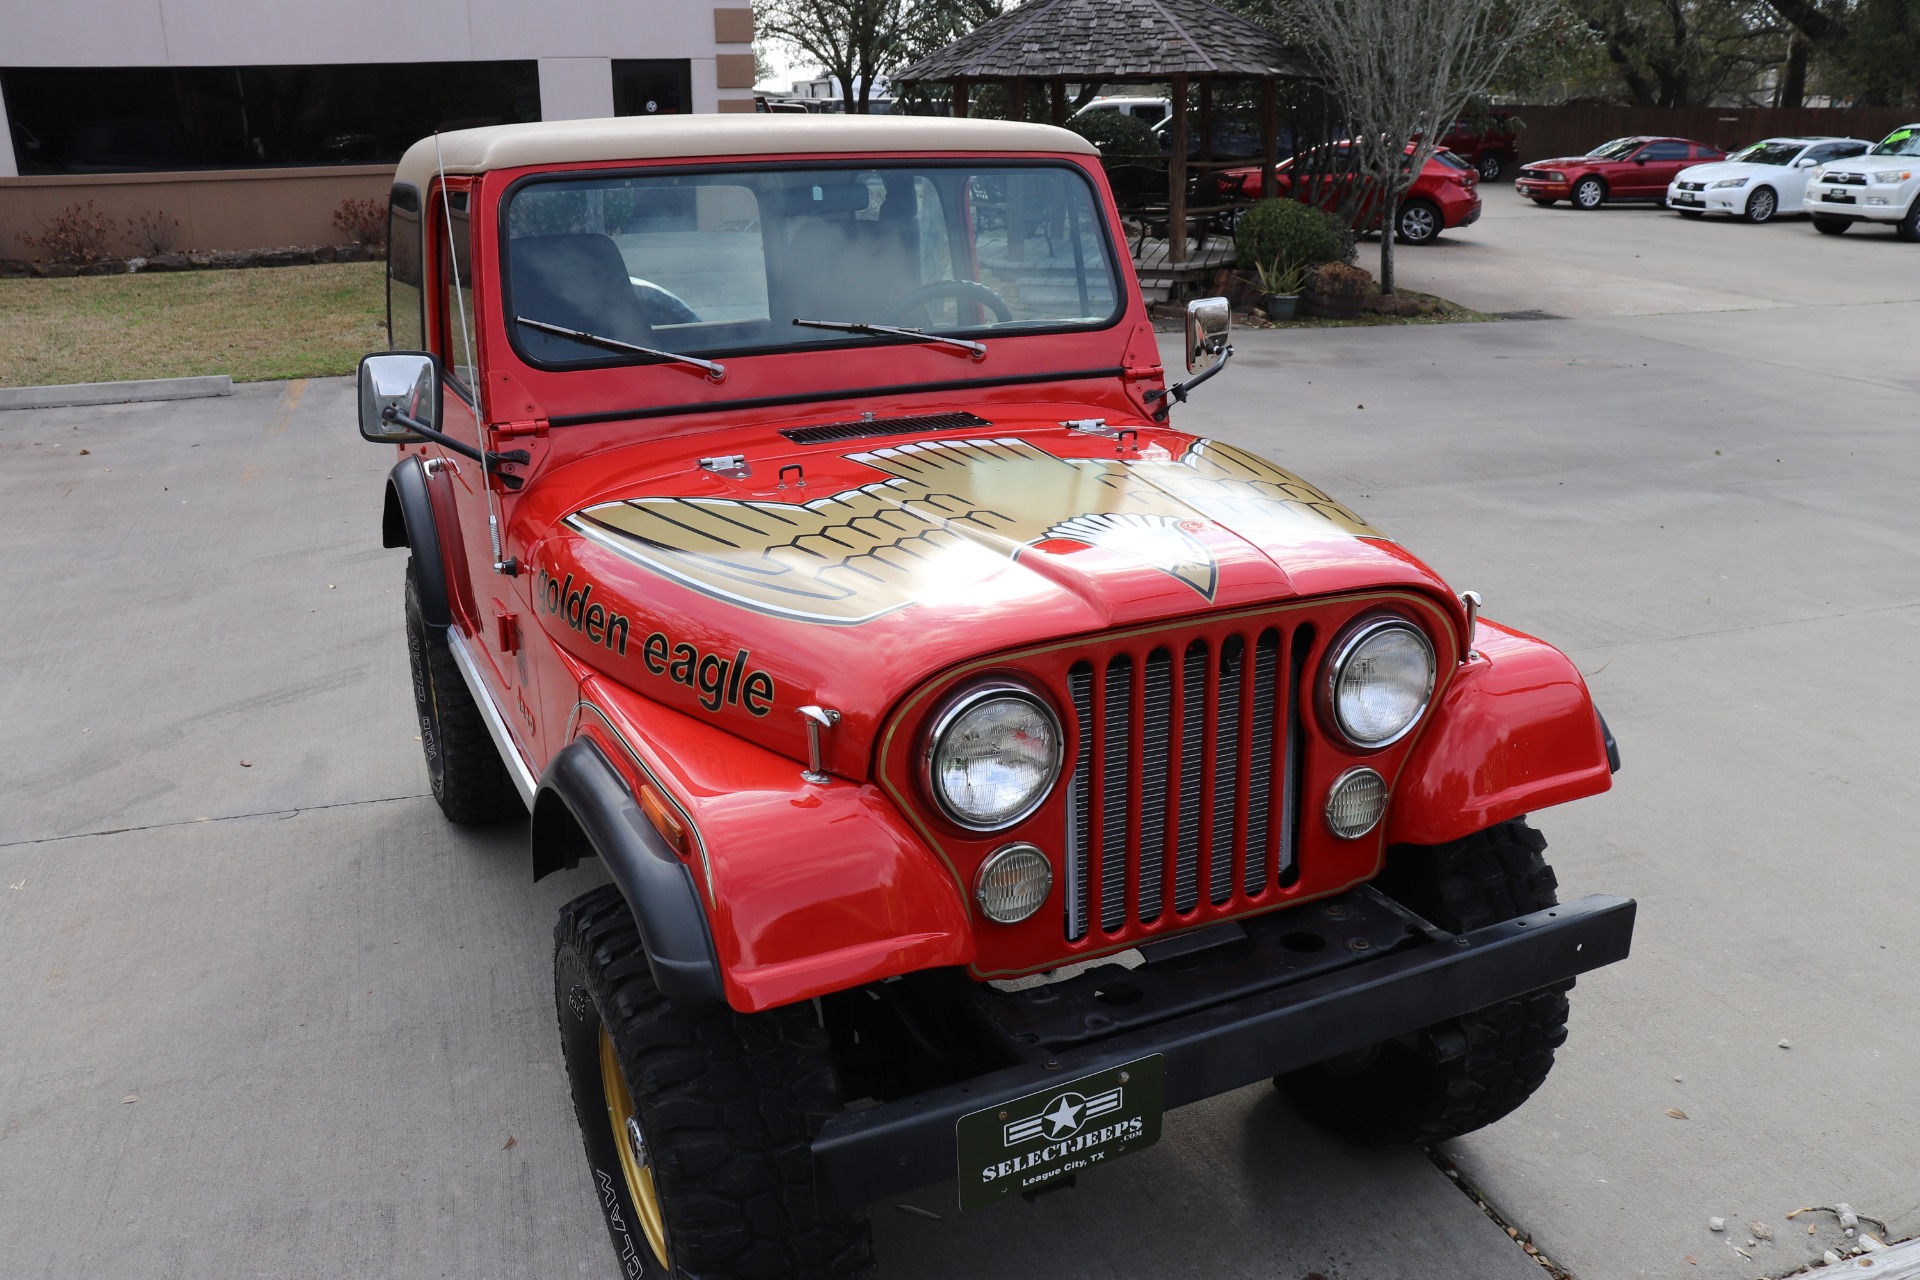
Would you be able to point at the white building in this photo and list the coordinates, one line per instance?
(249, 120)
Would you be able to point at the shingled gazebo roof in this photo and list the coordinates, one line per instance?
(1110, 40)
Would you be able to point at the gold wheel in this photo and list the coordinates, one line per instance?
(635, 1162)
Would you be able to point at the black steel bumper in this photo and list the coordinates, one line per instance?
(1281, 1001)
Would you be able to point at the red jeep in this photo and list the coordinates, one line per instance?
(977, 764)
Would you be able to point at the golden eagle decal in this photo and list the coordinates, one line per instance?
(955, 512)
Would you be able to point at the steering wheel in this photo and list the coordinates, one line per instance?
(958, 290)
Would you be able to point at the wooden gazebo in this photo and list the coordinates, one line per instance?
(1187, 44)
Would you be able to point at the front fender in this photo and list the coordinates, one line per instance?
(808, 889)
(1515, 731)
(406, 520)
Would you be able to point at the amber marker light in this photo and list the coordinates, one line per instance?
(662, 816)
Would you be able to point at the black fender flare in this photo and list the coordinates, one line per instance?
(584, 807)
(407, 521)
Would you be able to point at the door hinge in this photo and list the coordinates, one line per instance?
(507, 630)
(513, 430)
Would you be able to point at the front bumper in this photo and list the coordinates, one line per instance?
(1535, 189)
(1860, 204)
(1723, 200)
(1272, 994)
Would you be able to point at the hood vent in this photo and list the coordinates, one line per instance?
(834, 432)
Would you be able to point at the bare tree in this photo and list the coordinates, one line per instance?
(858, 41)
(853, 41)
(1402, 71)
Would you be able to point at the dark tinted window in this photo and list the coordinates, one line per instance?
(1665, 151)
(132, 119)
(661, 87)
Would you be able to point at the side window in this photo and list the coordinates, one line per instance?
(1664, 151)
(456, 330)
(1842, 150)
(406, 327)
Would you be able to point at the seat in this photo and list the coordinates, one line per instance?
(578, 281)
(852, 270)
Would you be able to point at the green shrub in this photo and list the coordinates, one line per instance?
(1116, 134)
(1286, 231)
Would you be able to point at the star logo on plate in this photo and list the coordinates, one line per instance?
(1063, 1116)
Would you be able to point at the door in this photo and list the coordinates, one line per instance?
(492, 606)
(1664, 161)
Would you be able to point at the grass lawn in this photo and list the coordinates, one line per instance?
(281, 322)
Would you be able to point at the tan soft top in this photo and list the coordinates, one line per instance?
(695, 137)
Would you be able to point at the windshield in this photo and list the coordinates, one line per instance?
(725, 261)
(1618, 149)
(1769, 152)
(1904, 141)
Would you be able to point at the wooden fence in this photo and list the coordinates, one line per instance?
(1573, 130)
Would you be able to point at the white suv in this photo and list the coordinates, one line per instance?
(1880, 186)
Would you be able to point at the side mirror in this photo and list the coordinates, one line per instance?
(398, 382)
(1209, 329)
(1805, 162)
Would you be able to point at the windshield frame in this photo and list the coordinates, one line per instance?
(857, 161)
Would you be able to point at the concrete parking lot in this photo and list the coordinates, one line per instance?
(265, 1013)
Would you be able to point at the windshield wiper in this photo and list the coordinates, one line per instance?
(715, 372)
(977, 350)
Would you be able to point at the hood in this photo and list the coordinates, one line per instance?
(845, 576)
(1720, 169)
(1564, 162)
(1872, 164)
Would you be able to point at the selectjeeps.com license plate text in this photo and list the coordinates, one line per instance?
(1035, 1141)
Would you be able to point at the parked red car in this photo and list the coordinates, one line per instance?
(1624, 169)
(1488, 141)
(1443, 197)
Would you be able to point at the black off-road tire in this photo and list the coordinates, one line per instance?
(728, 1104)
(1395, 1093)
(463, 766)
(1830, 226)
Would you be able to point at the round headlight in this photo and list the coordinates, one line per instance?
(1013, 884)
(992, 757)
(1379, 682)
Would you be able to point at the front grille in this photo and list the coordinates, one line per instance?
(1846, 179)
(1186, 782)
(1693, 186)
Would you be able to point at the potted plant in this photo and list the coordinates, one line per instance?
(1279, 287)
(1336, 291)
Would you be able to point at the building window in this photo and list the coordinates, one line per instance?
(656, 87)
(144, 119)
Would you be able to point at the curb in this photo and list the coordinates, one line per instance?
(84, 393)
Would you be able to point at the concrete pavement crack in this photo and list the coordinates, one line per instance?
(225, 817)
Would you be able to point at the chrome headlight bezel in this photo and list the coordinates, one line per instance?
(957, 706)
(1342, 654)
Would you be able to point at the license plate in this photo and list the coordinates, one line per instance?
(1686, 198)
(1037, 1140)
(1837, 197)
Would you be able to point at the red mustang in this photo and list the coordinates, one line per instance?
(1443, 197)
(1624, 169)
